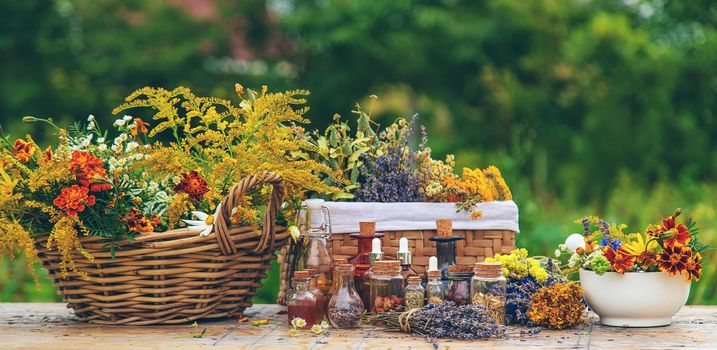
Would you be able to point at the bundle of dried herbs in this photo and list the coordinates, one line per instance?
(445, 320)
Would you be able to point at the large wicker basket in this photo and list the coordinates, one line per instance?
(478, 245)
(176, 276)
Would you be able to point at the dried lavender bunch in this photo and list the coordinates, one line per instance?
(393, 176)
(445, 320)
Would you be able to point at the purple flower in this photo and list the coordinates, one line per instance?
(586, 227)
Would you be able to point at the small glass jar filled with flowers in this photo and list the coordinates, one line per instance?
(387, 287)
(488, 289)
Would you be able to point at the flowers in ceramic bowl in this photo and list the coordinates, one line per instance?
(616, 268)
(669, 247)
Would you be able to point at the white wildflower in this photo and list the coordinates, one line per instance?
(119, 122)
(90, 118)
(117, 148)
(131, 146)
(91, 126)
(102, 147)
(127, 118)
(557, 253)
(101, 140)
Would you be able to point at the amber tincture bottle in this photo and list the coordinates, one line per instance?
(406, 258)
(368, 252)
(302, 303)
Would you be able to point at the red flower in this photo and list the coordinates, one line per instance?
(74, 199)
(668, 223)
(680, 236)
(621, 260)
(23, 150)
(674, 259)
(89, 171)
(48, 153)
(193, 185)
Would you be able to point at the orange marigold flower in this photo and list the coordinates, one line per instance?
(694, 267)
(193, 185)
(621, 260)
(674, 258)
(23, 150)
(140, 127)
(74, 199)
(89, 171)
(138, 222)
(680, 236)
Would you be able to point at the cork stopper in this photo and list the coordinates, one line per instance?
(434, 274)
(386, 267)
(344, 269)
(367, 228)
(299, 275)
(444, 227)
(460, 268)
(311, 271)
(414, 279)
(488, 269)
(340, 261)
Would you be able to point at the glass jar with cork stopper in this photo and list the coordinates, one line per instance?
(435, 291)
(415, 293)
(301, 302)
(387, 287)
(488, 288)
(345, 307)
(445, 246)
(321, 300)
(459, 284)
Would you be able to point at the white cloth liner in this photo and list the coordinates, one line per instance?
(345, 216)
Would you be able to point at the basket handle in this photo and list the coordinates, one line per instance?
(223, 220)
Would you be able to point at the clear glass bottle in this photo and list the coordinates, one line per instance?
(345, 307)
(387, 287)
(415, 293)
(406, 258)
(488, 289)
(435, 291)
(365, 257)
(459, 284)
(301, 302)
(314, 224)
(321, 300)
(445, 246)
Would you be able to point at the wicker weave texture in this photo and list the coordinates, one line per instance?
(176, 276)
(478, 245)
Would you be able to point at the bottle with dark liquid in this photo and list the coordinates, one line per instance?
(366, 256)
(445, 246)
(321, 300)
(301, 302)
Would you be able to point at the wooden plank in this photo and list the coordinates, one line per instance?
(52, 327)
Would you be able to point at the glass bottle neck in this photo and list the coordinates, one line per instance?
(301, 285)
(346, 281)
(364, 245)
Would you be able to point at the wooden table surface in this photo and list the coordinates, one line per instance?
(52, 326)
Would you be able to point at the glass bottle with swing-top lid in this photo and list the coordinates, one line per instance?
(314, 223)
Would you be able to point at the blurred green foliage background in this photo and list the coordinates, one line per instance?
(589, 107)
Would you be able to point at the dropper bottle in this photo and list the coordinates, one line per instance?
(405, 257)
(435, 291)
(375, 255)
